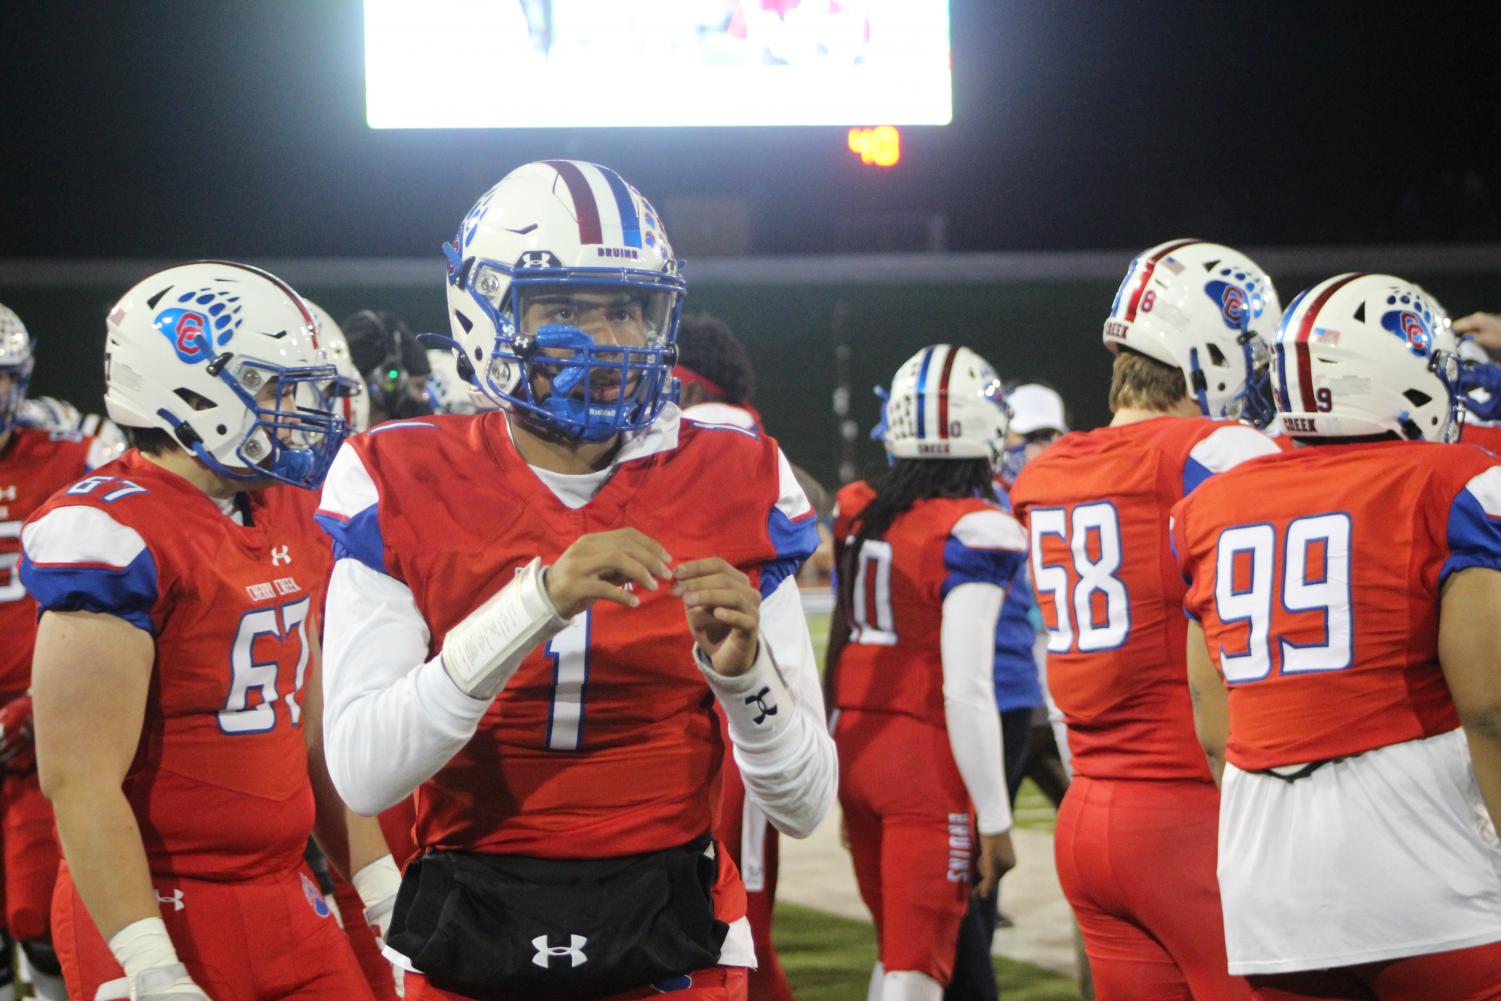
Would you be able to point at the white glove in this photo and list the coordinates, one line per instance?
(166, 983)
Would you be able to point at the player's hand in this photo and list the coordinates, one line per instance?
(724, 612)
(597, 566)
(1481, 376)
(166, 983)
(17, 747)
(997, 858)
(1484, 327)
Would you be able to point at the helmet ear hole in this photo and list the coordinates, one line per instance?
(1418, 398)
(1216, 356)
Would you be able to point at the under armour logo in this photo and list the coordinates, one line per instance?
(8, 493)
(175, 900)
(280, 555)
(538, 259)
(545, 952)
(760, 701)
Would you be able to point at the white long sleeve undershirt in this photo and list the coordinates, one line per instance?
(393, 718)
(967, 641)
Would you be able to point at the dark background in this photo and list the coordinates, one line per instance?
(172, 130)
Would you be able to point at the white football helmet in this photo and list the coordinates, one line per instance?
(16, 361)
(946, 403)
(547, 230)
(224, 358)
(1208, 310)
(1360, 355)
(347, 392)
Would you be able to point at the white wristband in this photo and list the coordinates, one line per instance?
(377, 882)
(758, 704)
(482, 652)
(143, 945)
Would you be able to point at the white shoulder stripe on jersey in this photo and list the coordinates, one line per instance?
(69, 536)
(1229, 446)
(1486, 488)
(990, 530)
(791, 500)
(348, 488)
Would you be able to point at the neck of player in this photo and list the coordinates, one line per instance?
(1185, 407)
(184, 465)
(570, 457)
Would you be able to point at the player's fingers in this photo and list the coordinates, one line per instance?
(621, 566)
(598, 590)
(637, 539)
(641, 549)
(740, 599)
(713, 582)
(704, 567)
(737, 620)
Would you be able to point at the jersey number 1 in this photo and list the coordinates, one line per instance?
(569, 653)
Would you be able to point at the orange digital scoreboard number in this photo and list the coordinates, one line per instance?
(877, 147)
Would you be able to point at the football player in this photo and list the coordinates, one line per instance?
(1135, 841)
(175, 676)
(34, 462)
(534, 610)
(924, 554)
(1346, 666)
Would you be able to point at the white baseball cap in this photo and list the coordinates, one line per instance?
(1035, 408)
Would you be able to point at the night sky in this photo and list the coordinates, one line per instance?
(159, 129)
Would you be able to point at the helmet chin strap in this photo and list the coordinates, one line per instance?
(1198, 383)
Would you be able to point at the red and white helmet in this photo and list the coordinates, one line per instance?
(192, 350)
(545, 229)
(1207, 309)
(1362, 354)
(347, 395)
(946, 402)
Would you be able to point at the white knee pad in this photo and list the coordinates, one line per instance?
(909, 985)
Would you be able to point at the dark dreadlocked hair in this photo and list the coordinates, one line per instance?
(707, 346)
(903, 485)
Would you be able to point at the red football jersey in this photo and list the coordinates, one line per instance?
(604, 742)
(1486, 434)
(33, 464)
(219, 783)
(894, 604)
(1316, 576)
(1096, 507)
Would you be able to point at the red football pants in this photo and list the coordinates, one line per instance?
(270, 939)
(30, 855)
(1472, 974)
(722, 983)
(377, 968)
(910, 831)
(1136, 860)
(741, 833)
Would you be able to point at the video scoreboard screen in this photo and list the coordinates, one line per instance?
(649, 63)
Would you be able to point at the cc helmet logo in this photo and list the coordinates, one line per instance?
(1410, 327)
(1233, 302)
(546, 953)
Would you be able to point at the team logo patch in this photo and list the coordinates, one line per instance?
(1234, 303)
(1411, 327)
(314, 896)
(202, 320)
(538, 259)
